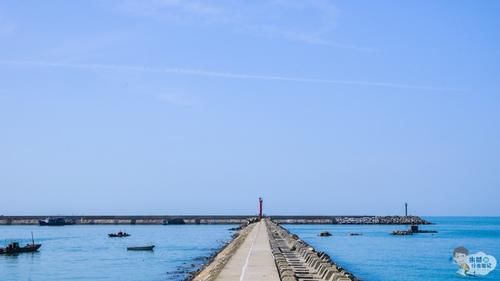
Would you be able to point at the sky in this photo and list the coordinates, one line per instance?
(200, 107)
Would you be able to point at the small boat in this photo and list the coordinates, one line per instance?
(119, 234)
(325, 234)
(14, 248)
(355, 234)
(402, 232)
(141, 248)
(55, 222)
(413, 230)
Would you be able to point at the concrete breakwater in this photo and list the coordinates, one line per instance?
(296, 260)
(124, 220)
(350, 220)
(193, 219)
(265, 251)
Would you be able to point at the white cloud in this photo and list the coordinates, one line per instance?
(6, 27)
(196, 7)
(307, 38)
(95, 46)
(176, 99)
(176, 11)
(278, 19)
(307, 21)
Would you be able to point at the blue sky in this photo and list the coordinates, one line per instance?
(200, 107)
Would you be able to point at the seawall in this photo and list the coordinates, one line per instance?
(215, 219)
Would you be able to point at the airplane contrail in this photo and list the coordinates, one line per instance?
(207, 73)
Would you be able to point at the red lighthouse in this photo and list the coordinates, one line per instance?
(260, 208)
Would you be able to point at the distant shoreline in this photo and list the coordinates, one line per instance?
(214, 219)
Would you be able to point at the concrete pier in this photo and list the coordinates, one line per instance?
(253, 260)
(265, 251)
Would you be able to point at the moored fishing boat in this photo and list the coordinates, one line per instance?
(119, 234)
(55, 222)
(14, 248)
(141, 248)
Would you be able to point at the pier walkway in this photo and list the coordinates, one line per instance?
(265, 251)
(253, 261)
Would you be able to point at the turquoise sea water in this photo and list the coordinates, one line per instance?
(84, 252)
(378, 256)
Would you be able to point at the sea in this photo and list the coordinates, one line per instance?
(85, 252)
(378, 256)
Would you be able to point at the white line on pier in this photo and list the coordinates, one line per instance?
(244, 269)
